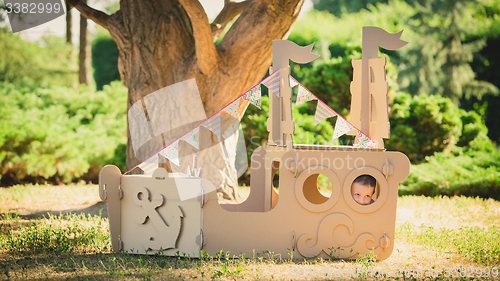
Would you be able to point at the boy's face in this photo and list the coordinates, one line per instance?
(362, 193)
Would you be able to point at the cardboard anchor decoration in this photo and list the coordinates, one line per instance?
(175, 212)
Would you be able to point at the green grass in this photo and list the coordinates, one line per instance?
(57, 235)
(440, 232)
(461, 225)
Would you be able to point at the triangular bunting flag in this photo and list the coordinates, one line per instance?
(213, 124)
(150, 164)
(364, 140)
(341, 127)
(293, 82)
(272, 82)
(323, 111)
(171, 152)
(192, 137)
(303, 95)
(232, 108)
(253, 96)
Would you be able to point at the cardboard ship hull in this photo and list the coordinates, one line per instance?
(147, 215)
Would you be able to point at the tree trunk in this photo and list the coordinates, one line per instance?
(69, 25)
(84, 55)
(162, 42)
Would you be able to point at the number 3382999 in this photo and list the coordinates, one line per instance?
(33, 8)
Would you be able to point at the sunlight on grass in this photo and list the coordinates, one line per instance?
(54, 234)
(439, 232)
(30, 198)
(463, 225)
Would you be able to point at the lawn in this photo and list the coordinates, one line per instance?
(436, 237)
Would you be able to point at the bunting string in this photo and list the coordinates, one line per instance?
(213, 123)
(253, 96)
(363, 140)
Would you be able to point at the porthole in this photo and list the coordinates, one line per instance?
(380, 194)
(307, 193)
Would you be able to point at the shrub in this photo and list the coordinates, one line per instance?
(475, 173)
(55, 132)
(423, 125)
(46, 62)
(104, 59)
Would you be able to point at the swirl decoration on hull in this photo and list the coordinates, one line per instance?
(364, 244)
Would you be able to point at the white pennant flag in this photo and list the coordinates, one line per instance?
(193, 137)
(232, 108)
(150, 164)
(171, 152)
(293, 82)
(341, 127)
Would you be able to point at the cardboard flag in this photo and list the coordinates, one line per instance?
(293, 82)
(341, 127)
(323, 111)
(303, 95)
(272, 82)
(253, 96)
(171, 152)
(192, 137)
(232, 108)
(213, 124)
(364, 140)
(149, 165)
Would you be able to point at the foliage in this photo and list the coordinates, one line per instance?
(56, 132)
(445, 42)
(423, 125)
(339, 7)
(104, 59)
(475, 173)
(48, 62)
(444, 36)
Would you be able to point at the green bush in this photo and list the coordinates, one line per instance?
(423, 125)
(104, 59)
(55, 132)
(47, 62)
(475, 173)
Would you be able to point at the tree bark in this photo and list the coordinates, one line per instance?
(162, 42)
(69, 25)
(84, 55)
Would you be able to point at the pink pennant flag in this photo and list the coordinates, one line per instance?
(192, 137)
(171, 152)
(341, 127)
(304, 95)
(253, 96)
(149, 165)
(364, 140)
(272, 82)
(213, 124)
(323, 111)
(232, 108)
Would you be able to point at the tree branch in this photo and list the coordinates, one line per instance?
(97, 16)
(229, 12)
(205, 48)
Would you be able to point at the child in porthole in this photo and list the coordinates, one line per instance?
(363, 188)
